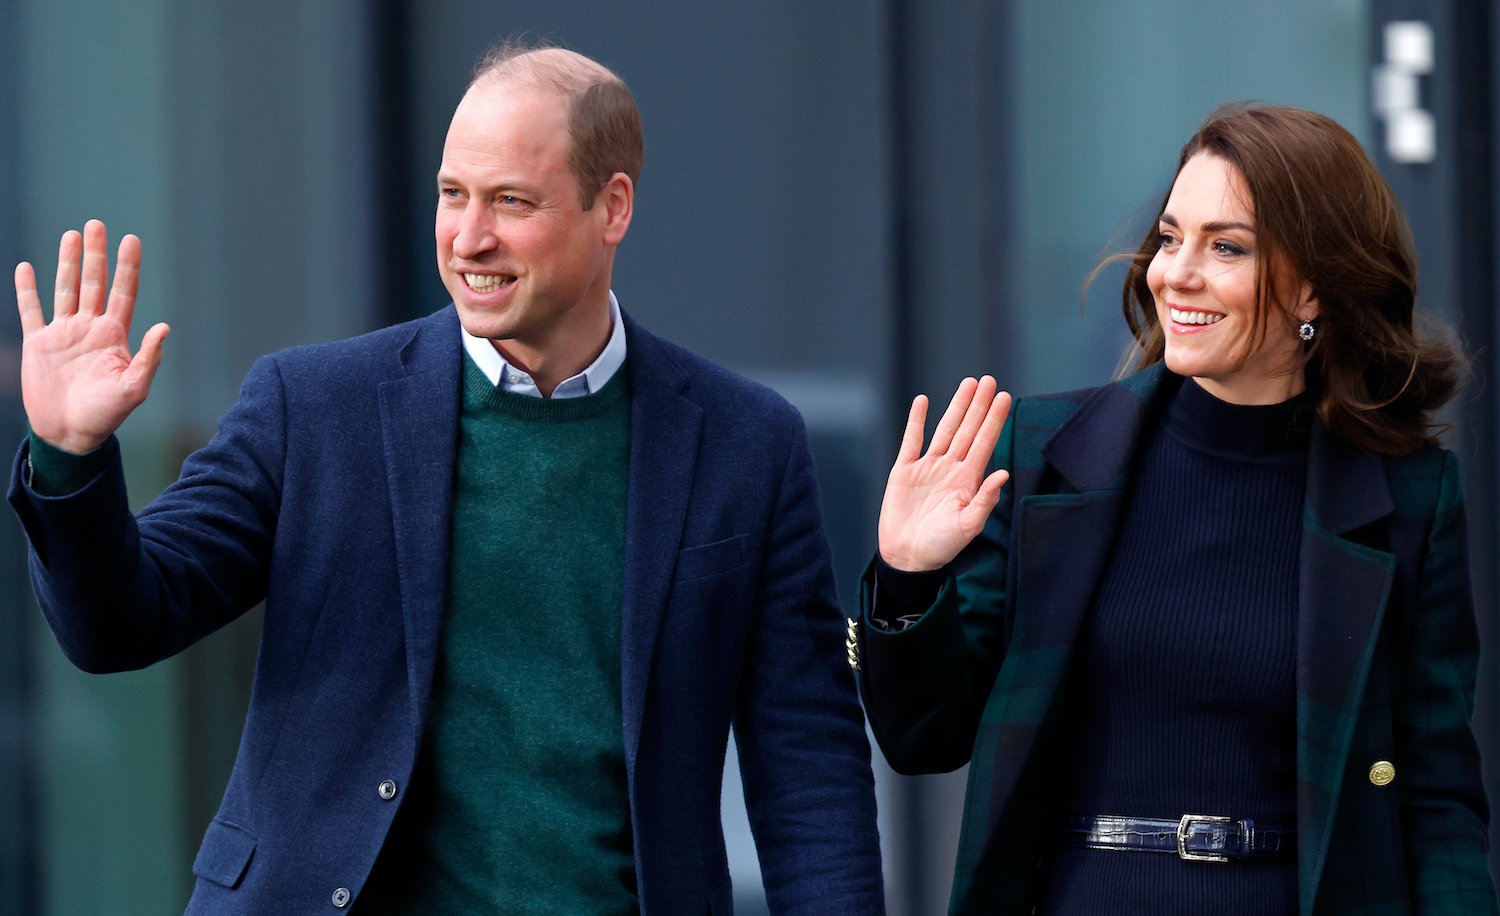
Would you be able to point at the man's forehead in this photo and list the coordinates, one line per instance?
(491, 104)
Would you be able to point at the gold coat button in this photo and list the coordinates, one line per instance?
(1382, 773)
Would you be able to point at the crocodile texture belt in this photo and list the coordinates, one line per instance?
(1194, 837)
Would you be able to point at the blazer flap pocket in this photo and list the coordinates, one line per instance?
(224, 855)
(711, 559)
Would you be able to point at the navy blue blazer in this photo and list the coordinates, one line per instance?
(327, 493)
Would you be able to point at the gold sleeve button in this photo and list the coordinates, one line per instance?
(1382, 773)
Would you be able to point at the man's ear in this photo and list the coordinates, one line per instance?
(617, 197)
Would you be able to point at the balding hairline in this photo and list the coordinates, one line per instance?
(559, 69)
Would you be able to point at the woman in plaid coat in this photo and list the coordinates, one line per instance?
(1204, 635)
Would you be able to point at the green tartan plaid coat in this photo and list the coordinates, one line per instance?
(1386, 656)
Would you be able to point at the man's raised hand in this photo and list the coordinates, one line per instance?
(79, 380)
(936, 503)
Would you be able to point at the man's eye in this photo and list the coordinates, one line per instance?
(510, 201)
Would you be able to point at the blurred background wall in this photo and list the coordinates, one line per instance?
(851, 200)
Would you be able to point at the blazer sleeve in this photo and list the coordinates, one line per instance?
(925, 685)
(1444, 812)
(804, 756)
(121, 592)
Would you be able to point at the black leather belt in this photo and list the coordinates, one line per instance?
(1194, 837)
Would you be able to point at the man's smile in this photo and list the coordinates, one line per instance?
(488, 283)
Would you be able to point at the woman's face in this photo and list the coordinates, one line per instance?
(1203, 278)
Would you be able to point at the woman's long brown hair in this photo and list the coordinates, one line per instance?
(1324, 213)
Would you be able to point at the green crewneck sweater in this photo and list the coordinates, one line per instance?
(518, 804)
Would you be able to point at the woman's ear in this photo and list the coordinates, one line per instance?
(1307, 304)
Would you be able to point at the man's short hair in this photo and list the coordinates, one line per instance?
(604, 123)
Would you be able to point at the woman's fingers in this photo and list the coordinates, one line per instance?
(984, 501)
(942, 437)
(911, 439)
(993, 421)
(974, 416)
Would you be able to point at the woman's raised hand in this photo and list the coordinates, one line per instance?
(936, 503)
(79, 380)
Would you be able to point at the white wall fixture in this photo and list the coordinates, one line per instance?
(1410, 132)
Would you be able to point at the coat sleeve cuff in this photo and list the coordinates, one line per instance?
(899, 598)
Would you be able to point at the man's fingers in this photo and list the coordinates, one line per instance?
(95, 274)
(974, 416)
(65, 293)
(127, 282)
(28, 303)
(146, 361)
(911, 439)
(942, 437)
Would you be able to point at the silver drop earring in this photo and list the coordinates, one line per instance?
(1306, 330)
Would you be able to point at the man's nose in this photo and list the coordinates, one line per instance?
(475, 234)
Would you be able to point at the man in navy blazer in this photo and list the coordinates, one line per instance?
(329, 491)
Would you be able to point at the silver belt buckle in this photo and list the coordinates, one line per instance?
(1182, 835)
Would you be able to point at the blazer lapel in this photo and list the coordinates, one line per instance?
(1066, 537)
(419, 422)
(1342, 595)
(1062, 544)
(664, 432)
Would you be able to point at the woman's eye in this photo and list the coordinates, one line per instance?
(1228, 248)
(1163, 239)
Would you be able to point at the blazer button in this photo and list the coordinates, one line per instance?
(387, 790)
(341, 897)
(1382, 773)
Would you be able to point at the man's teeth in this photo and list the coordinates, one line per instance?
(1182, 316)
(484, 283)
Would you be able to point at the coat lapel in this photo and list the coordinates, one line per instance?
(1064, 537)
(419, 423)
(1342, 595)
(664, 431)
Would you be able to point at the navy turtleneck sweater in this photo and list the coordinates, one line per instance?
(1182, 691)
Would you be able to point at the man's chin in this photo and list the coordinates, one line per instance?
(483, 324)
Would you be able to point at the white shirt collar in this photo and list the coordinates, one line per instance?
(516, 381)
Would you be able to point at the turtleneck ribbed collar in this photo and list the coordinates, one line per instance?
(1270, 432)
